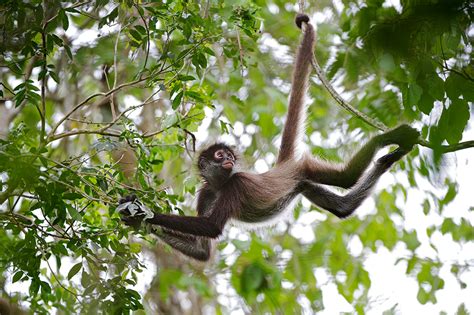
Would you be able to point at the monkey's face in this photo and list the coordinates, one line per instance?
(225, 158)
(216, 163)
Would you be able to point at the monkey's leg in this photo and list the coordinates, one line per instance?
(344, 205)
(347, 175)
(344, 176)
(198, 248)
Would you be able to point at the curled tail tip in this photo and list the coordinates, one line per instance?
(300, 18)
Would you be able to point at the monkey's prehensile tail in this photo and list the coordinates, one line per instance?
(296, 111)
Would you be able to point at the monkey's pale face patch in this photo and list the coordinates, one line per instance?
(226, 158)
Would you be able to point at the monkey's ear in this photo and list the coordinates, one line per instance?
(300, 18)
(201, 163)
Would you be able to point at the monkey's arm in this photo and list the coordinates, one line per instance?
(211, 226)
(347, 176)
(208, 225)
(190, 245)
(344, 205)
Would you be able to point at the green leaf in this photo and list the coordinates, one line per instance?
(177, 100)
(209, 51)
(411, 240)
(136, 35)
(426, 206)
(72, 196)
(448, 226)
(74, 270)
(74, 213)
(435, 87)
(141, 29)
(17, 276)
(102, 183)
(252, 278)
(88, 290)
(426, 102)
(454, 120)
(64, 19)
(194, 95)
(387, 63)
(450, 194)
(54, 76)
(186, 77)
(45, 288)
(453, 86)
(135, 248)
(61, 249)
(34, 287)
(462, 310)
(422, 296)
(68, 51)
(414, 94)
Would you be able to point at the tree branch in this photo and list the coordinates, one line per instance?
(82, 132)
(448, 148)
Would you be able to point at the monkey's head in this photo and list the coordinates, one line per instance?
(216, 163)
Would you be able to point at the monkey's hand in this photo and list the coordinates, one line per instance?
(404, 136)
(133, 212)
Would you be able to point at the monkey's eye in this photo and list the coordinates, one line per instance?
(219, 155)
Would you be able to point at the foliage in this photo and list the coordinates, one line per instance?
(90, 88)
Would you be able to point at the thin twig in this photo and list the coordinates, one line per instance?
(193, 139)
(82, 132)
(447, 148)
(43, 81)
(115, 58)
(459, 73)
(149, 135)
(338, 98)
(147, 35)
(301, 5)
(54, 274)
(241, 53)
(112, 97)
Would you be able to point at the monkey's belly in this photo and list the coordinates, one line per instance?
(251, 214)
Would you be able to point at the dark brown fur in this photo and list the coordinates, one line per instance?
(255, 198)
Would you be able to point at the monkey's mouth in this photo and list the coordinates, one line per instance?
(228, 165)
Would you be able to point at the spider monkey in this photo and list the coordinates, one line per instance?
(256, 198)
